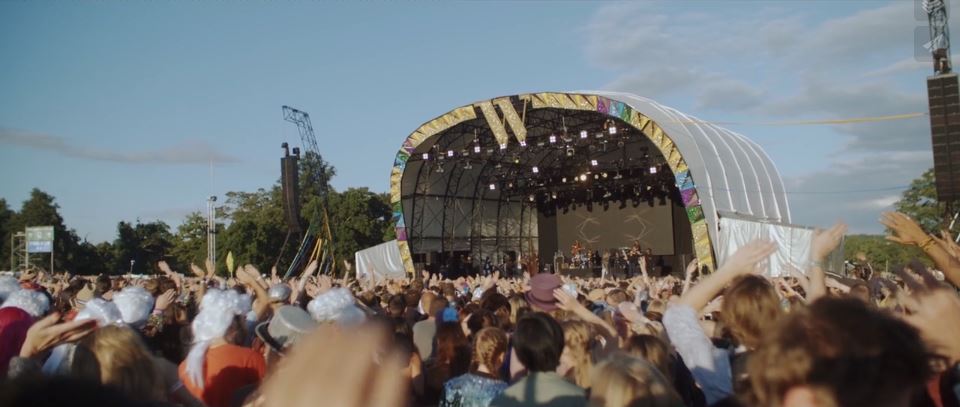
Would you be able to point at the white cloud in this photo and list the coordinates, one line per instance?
(195, 152)
(785, 63)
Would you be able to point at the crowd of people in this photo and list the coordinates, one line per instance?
(729, 337)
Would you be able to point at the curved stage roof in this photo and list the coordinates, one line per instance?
(716, 170)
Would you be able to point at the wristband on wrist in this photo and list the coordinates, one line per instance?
(927, 243)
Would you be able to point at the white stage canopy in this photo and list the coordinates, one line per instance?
(379, 262)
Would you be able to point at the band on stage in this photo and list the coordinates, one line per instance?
(583, 261)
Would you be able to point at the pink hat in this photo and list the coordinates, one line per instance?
(541, 291)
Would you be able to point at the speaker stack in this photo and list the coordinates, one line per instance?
(290, 186)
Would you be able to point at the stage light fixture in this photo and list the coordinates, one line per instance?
(596, 176)
(570, 151)
(611, 128)
(564, 180)
(532, 198)
(593, 163)
(604, 175)
(653, 170)
(449, 153)
(536, 170)
(493, 187)
(476, 149)
(553, 138)
(554, 195)
(583, 177)
(583, 134)
(503, 146)
(523, 143)
(426, 156)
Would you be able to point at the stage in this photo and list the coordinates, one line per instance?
(507, 180)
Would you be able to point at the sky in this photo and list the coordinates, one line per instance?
(141, 110)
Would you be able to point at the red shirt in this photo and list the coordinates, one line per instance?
(226, 369)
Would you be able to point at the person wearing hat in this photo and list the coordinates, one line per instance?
(288, 324)
(540, 296)
(284, 329)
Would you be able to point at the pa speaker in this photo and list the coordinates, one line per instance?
(290, 185)
(944, 103)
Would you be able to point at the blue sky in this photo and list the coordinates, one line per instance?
(117, 109)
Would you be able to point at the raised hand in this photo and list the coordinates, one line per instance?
(197, 271)
(825, 241)
(746, 259)
(164, 300)
(211, 268)
(948, 244)
(904, 229)
(47, 333)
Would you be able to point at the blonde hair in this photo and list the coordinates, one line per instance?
(518, 308)
(489, 347)
(623, 380)
(750, 308)
(126, 364)
(578, 337)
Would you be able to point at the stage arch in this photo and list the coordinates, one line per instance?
(483, 178)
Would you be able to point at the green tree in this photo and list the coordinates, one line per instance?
(140, 246)
(256, 229)
(920, 202)
(6, 227)
(42, 210)
(190, 241)
(359, 219)
(881, 252)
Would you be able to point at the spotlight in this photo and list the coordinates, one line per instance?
(426, 156)
(449, 153)
(554, 195)
(593, 163)
(503, 146)
(476, 149)
(583, 134)
(532, 198)
(604, 175)
(493, 187)
(583, 177)
(596, 176)
(570, 151)
(653, 170)
(553, 138)
(611, 127)
(523, 143)
(564, 180)
(536, 170)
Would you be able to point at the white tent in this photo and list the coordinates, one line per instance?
(380, 262)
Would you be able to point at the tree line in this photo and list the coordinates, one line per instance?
(250, 225)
